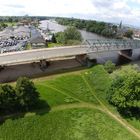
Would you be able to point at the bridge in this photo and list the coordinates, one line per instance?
(89, 49)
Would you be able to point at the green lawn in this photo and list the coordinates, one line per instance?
(74, 86)
(99, 81)
(135, 122)
(28, 46)
(78, 111)
(72, 124)
(50, 45)
(52, 96)
(10, 23)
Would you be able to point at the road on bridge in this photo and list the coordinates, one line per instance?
(40, 54)
(92, 47)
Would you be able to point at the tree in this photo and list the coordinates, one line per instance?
(70, 36)
(60, 38)
(53, 38)
(124, 92)
(71, 33)
(7, 98)
(10, 19)
(26, 93)
(102, 28)
(3, 25)
(128, 34)
(109, 66)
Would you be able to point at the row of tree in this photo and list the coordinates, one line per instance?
(19, 18)
(21, 98)
(101, 28)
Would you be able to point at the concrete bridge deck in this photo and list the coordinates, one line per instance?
(91, 47)
(40, 54)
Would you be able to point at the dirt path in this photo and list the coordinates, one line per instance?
(76, 105)
(115, 117)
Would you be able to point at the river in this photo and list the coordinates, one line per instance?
(114, 57)
(55, 27)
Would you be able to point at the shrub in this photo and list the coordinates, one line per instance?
(7, 98)
(124, 92)
(26, 93)
(70, 36)
(109, 66)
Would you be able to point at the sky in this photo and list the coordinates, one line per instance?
(103, 10)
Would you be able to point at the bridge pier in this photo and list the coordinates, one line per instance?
(85, 61)
(44, 64)
(126, 53)
(90, 62)
(81, 59)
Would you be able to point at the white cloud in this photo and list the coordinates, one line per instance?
(108, 10)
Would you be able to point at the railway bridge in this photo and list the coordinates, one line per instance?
(86, 52)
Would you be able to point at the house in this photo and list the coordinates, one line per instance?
(37, 41)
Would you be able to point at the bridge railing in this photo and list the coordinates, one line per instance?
(112, 44)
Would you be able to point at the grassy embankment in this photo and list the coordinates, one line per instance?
(28, 46)
(50, 45)
(78, 111)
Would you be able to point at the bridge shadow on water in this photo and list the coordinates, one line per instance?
(122, 60)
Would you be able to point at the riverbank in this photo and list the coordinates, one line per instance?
(54, 27)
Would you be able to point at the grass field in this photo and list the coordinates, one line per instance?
(50, 45)
(10, 23)
(78, 111)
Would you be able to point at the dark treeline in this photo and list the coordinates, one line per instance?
(19, 18)
(101, 28)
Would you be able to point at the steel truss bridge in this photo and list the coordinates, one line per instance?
(111, 44)
(90, 47)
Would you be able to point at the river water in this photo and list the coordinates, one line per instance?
(113, 56)
(55, 27)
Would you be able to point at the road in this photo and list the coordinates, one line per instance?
(40, 54)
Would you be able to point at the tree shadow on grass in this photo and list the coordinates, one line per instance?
(41, 108)
(130, 113)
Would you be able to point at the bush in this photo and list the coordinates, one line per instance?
(71, 33)
(70, 36)
(26, 93)
(60, 37)
(124, 92)
(23, 97)
(7, 98)
(129, 34)
(109, 66)
(53, 39)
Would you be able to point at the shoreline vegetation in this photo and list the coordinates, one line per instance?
(100, 28)
(104, 29)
